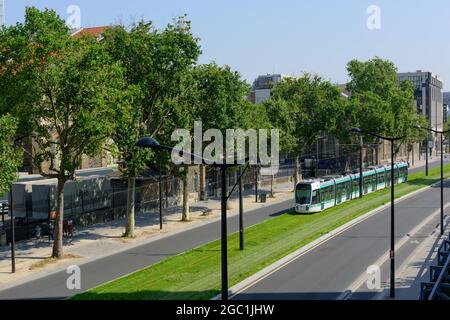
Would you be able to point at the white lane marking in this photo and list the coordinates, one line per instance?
(269, 270)
(385, 257)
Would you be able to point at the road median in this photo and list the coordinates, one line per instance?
(196, 274)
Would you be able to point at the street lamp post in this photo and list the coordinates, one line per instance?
(442, 133)
(147, 142)
(392, 140)
(13, 233)
(241, 214)
(322, 138)
(442, 184)
(223, 233)
(160, 197)
(317, 158)
(3, 217)
(361, 180)
(256, 186)
(361, 146)
(426, 157)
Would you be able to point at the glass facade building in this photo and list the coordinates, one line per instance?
(428, 97)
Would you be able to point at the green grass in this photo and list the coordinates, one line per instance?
(196, 274)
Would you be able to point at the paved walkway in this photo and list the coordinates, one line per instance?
(416, 268)
(94, 242)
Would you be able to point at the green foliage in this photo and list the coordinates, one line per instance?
(379, 103)
(303, 108)
(157, 61)
(377, 76)
(218, 97)
(195, 274)
(282, 116)
(157, 64)
(10, 156)
(62, 89)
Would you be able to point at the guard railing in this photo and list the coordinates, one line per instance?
(439, 286)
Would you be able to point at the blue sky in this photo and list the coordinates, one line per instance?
(287, 36)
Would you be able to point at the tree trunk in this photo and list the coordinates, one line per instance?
(129, 231)
(272, 181)
(202, 182)
(185, 214)
(377, 155)
(297, 171)
(58, 241)
(420, 151)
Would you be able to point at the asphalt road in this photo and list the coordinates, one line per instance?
(329, 270)
(106, 269)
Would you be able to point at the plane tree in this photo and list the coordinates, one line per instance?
(64, 91)
(379, 104)
(10, 155)
(156, 62)
(215, 96)
(303, 108)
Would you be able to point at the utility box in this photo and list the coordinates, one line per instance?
(2, 238)
(263, 197)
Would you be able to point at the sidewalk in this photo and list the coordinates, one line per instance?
(416, 268)
(422, 162)
(94, 242)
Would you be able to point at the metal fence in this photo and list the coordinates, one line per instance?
(439, 286)
(87, 207)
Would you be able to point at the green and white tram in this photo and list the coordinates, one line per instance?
(317, 195)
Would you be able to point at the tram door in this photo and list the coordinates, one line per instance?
(348, 187)
(339, 193)
(388, 178)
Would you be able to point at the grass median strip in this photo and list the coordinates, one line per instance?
(195, 275)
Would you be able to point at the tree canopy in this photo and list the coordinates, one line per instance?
(63, 90)
(379, 104)
(10, 156)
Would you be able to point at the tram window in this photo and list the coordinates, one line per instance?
(356, 185)
(315, 197)
(325, 194)
(349, 188)
(404, 172)
(303, 194)
(328, 193)
(343, 189)
(338, 189)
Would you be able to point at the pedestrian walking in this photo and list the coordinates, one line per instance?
(70, 226)
(37, 234)
(51, 230)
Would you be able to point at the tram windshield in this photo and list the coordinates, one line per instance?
(303, 194)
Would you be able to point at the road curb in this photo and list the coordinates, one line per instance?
(43, 274)
(260, 275)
